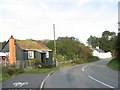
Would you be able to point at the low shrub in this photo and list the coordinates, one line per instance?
(47, 65)
(79, 61)
(19, 70)
(114, 63)
(93, 58)
(85, 60)
(11, 70)
(60, 58)
(36, 63)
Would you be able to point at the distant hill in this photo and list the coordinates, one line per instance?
(45, 41)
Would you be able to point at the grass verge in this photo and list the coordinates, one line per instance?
(9, 72)
(39, 70)
(5, 76)
(114, 64)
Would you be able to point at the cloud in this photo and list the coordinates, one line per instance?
(34, 18)
(81, 2)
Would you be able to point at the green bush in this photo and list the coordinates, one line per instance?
(60, 58)
(79, 61)
(93, 58)
(47, 65)
(84, 60)
(19, 70)
(11, 70)
(5, 74)
(36, 63)
(4, 69)
(114, 63)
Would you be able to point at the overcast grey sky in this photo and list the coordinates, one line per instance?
(119, 11)
(25, 19)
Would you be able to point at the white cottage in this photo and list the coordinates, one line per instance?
(100, 53)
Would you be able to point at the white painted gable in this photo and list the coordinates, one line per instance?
(2, 54)
(101, 54)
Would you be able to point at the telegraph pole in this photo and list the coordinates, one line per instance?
(54, 44)
(119, 17)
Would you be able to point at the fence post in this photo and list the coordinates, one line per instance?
(5, 62)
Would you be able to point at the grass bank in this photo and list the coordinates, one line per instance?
(39, 70)
(10, 73)
(114, 63)
(6, 76)
(84, 60)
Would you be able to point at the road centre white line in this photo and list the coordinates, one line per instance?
(100, 82)
(42, 84)
(83, 69)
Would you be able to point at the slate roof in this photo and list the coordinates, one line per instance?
(31, 45)
(0, 45)
(99, 50)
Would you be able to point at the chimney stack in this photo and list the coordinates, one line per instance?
(12, 50)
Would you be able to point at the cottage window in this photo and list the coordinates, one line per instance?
(30, 54)
(47, 54)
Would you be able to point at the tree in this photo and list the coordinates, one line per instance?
(92, 40)
(103, 44)
(106, 42)
(108, 35)
(70, 48)
(117, 46)
(86, 51)
(50, 44)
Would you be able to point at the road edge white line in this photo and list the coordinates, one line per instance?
(83, 69)
(42, 84)
(100, 82)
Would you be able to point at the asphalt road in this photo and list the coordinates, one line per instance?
(24, 81)
(91, 75)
